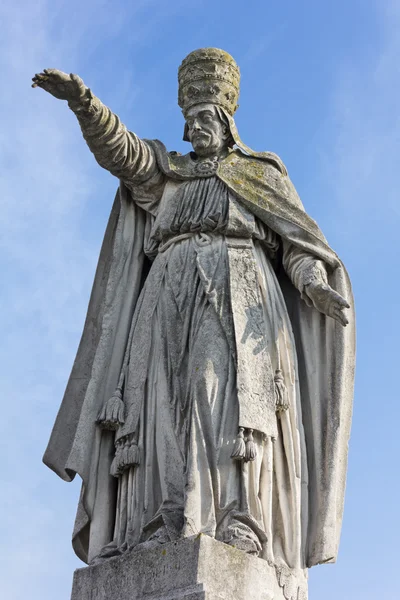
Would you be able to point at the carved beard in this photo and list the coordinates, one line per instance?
(202, 139)
(204, 144)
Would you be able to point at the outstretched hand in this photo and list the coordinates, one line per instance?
(327, 301)
(60, 85)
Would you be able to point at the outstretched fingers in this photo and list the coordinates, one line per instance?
(39, 79)
(338, 314)
(339, 300)
(337, 306)
(54, 75)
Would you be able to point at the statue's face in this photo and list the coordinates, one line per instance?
(206, 131)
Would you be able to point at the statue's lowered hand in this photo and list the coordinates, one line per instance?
(60, 85)
(327, 301)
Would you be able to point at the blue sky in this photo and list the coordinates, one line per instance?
(320, 86)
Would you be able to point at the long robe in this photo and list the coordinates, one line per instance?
(187, 356)
(306, 463)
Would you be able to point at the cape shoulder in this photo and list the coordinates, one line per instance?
(272, 197)
(260, 182)
(180, 166)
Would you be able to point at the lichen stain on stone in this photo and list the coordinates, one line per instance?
(164, 552)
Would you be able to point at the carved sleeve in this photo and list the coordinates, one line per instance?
(120, 151)
(302, 268)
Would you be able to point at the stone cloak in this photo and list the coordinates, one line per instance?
(325, 351)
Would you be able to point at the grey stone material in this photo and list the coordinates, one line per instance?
(196, 568)
(212, 389)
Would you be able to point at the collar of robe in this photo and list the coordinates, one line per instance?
(189, 166)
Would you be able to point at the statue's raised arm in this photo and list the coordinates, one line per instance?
(115, 148)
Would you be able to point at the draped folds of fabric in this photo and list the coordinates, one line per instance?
(77, 445)
(201, 334)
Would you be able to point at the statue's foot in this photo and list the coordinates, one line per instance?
(245, 544)
(241, 536)
(242, 531)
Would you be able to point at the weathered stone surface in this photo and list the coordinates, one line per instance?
(197, 568)
(212, 391)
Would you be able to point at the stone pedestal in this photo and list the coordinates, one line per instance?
(197, 568)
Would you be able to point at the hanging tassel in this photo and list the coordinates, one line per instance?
(112, 413)
(281, 394)
(239, 450)
(251, 450)
(129, 455)
(126, 455)
(115, 465)
(124, 460)
(132, 456)
(113, 468)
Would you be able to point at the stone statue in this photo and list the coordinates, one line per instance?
(212, 388)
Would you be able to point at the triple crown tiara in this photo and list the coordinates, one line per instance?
(209, 75)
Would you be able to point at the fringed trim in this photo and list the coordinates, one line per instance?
(239, 449)
(282, 402)
(112, 415)
(126, 455)
(244, 449)
(251, 450)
